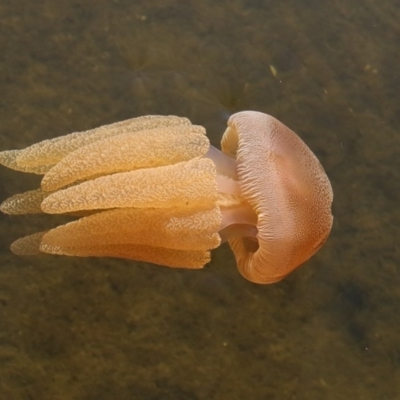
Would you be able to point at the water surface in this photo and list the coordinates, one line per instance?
(114, 329)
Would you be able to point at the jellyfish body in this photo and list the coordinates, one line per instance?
(158, 192)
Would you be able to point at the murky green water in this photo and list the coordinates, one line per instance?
(113, 329)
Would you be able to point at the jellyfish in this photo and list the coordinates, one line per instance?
(153, 189)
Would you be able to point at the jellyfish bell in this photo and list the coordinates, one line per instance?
(158, 192)
(285, 184)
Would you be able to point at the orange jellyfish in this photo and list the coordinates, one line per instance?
(154, 190)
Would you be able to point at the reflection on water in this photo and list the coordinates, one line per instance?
(90, 328)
